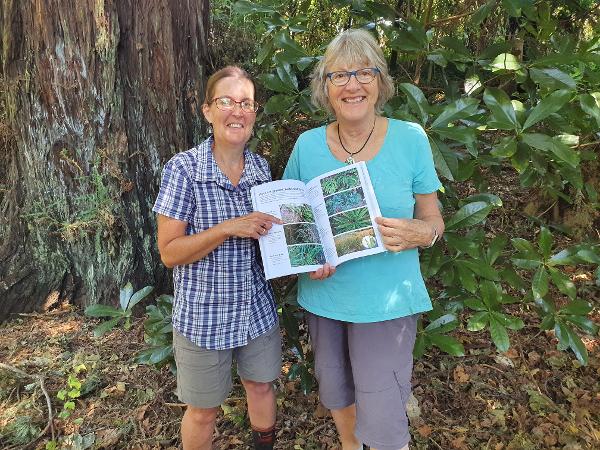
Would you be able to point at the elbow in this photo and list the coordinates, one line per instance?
(167, 262)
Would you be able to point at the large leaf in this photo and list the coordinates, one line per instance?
(502, 110)
(483, 269)
(577, 307)
(102, 311)
(447, 344)
(279, 103)
(443, 324)
(274, 83)
(555, 145)
(539, 283)
(245, 7)
(552, 79)
(106, 326)
(412, 37)
(287, 76)
(563, 282)
(590, 103)
(466, 276)
(547, 106)
(416, 100)
(505, 61)
(545, 242)
(125, 294)
(499, 335)
(460, 109)
(284, 41)
(469, 215)
(482, 13)
(139, 296)
(445, 160)
(478, 321)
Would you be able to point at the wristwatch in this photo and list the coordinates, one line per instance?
(434, 239)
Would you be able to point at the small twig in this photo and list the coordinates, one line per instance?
(40, 380)
(548, 209)
(180, 405)
(587, 144)
(436, 444)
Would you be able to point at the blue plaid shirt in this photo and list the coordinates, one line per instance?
(223, 299)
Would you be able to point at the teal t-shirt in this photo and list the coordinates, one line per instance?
(387, 285)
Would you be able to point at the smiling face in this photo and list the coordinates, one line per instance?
(353, 102)
(233, 128)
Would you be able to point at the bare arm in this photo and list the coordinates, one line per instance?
(177, 248)
(403, 234)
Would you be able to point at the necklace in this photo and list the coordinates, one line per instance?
(350, 159)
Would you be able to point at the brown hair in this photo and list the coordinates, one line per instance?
(225, 72)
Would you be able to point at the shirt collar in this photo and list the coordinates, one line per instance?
(208, 170)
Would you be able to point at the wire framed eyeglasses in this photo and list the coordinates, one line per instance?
(363, 76)
(227, 104)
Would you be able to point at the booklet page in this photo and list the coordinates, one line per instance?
(345, 200)
(295, 246)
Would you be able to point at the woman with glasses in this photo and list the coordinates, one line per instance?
(223, 307)
(363, 318)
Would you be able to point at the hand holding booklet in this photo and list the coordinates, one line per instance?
(329, 219)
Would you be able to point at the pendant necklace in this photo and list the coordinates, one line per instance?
(350, 159)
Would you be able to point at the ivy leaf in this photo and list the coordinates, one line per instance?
(503, 113)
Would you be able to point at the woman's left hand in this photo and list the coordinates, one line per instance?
(402, 234)
(324, 272)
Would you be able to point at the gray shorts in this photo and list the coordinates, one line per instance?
(204, 376)
(369, 364)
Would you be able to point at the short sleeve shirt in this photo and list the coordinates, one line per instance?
(387, 285)
(223, 299)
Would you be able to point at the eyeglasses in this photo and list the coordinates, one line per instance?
(227, 104)
(363, 76)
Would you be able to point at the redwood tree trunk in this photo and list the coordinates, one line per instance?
(95, 96)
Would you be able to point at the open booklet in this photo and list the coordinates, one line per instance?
(329, 219)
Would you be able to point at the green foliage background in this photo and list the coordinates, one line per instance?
(505, 89)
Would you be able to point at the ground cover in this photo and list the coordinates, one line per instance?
(532, 397)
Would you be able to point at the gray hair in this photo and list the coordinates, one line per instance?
(354, 47)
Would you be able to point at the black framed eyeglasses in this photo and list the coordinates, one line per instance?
(363, 76)
(227, 104)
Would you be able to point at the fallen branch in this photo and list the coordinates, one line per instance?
(40, 380)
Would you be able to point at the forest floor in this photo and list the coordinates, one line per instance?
(532, 397)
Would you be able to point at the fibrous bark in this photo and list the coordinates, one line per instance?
(95, 96)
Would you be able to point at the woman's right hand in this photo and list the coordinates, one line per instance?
(253, 225)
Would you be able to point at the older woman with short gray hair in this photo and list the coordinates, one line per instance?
(363, 315)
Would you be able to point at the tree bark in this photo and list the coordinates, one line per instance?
(95, 96)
